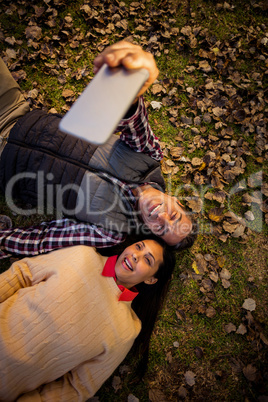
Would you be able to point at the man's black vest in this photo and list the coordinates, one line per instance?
(43, 166)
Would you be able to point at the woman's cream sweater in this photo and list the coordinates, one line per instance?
(62, 329)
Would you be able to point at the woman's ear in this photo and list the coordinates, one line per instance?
(151, 281)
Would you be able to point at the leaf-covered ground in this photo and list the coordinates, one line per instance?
(209, 109)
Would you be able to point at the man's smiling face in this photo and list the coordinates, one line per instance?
(164, 216)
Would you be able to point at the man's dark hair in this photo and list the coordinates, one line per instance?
(189, 240)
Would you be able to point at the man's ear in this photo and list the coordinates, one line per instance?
(151, 281)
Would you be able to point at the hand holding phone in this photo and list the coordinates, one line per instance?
(105, 101)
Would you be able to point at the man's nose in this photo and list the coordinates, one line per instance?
(163, 217)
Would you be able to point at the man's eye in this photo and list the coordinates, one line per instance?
(174, 216)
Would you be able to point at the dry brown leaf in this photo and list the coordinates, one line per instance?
(33, 32)
(190, 378)
(239, 231)
(242, 329)
(230, 328)
(66, 93)
(225, 283)
(194, 204)
(249, 304)
(116, 383)
(155, 395)
(197, 161)
(250, 372)
(182, 392)
(225, 274)
(204, 66)
(176, 152)
(211, 312)
(214, 276)
(229, 227)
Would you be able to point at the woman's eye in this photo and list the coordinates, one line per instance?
(138, 246)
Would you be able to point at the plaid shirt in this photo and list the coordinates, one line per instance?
(48, 236)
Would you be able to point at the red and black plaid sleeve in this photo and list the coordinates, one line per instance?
(138, 134)
(52, 235)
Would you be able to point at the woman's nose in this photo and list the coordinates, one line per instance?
(135, 257)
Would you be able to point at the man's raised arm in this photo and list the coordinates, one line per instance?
(135, 128)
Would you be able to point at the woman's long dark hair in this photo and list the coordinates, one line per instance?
(149, 303)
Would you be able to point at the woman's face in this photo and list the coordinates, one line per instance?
(139, 263)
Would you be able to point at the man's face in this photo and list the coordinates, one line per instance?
(164, 216)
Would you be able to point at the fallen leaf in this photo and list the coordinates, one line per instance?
(195, 204)
(242, 329)
(199, 352)
(221, 261)
(250, 372)
(264, 339)
(249, 304)
(116, 383)
(211, 312)
(66, 93)
(182, 392)
(236, 365)
(181, 315)
(197, 161)
(229, 227)
(33, 32)
(155, 395)
(216, 214)
(225, 274)
(190, 378)
(225, 283)
(214, 276)
(156, 105)
(204, 66)
(239, 231)
(230, 328)
(11, 53)
(132, 398)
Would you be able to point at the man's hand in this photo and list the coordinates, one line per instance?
(130, 56)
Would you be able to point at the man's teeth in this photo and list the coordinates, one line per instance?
(155, 209)
(128, 264)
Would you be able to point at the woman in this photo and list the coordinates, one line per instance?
(67, 321)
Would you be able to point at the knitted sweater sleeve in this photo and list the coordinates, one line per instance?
(15, 278)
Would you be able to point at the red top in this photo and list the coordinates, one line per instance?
(108, 270)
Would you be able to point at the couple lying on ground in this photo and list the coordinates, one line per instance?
(70, 316)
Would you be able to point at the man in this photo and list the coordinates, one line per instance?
(116, 188)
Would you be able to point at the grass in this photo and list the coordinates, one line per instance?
(245, 258)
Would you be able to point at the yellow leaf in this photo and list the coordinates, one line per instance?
(221, 261)
(194, 266)
(202, 167)
(214, 218)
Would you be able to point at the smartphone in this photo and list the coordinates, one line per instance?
(98, 110)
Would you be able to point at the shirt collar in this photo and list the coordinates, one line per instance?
(108, 270)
